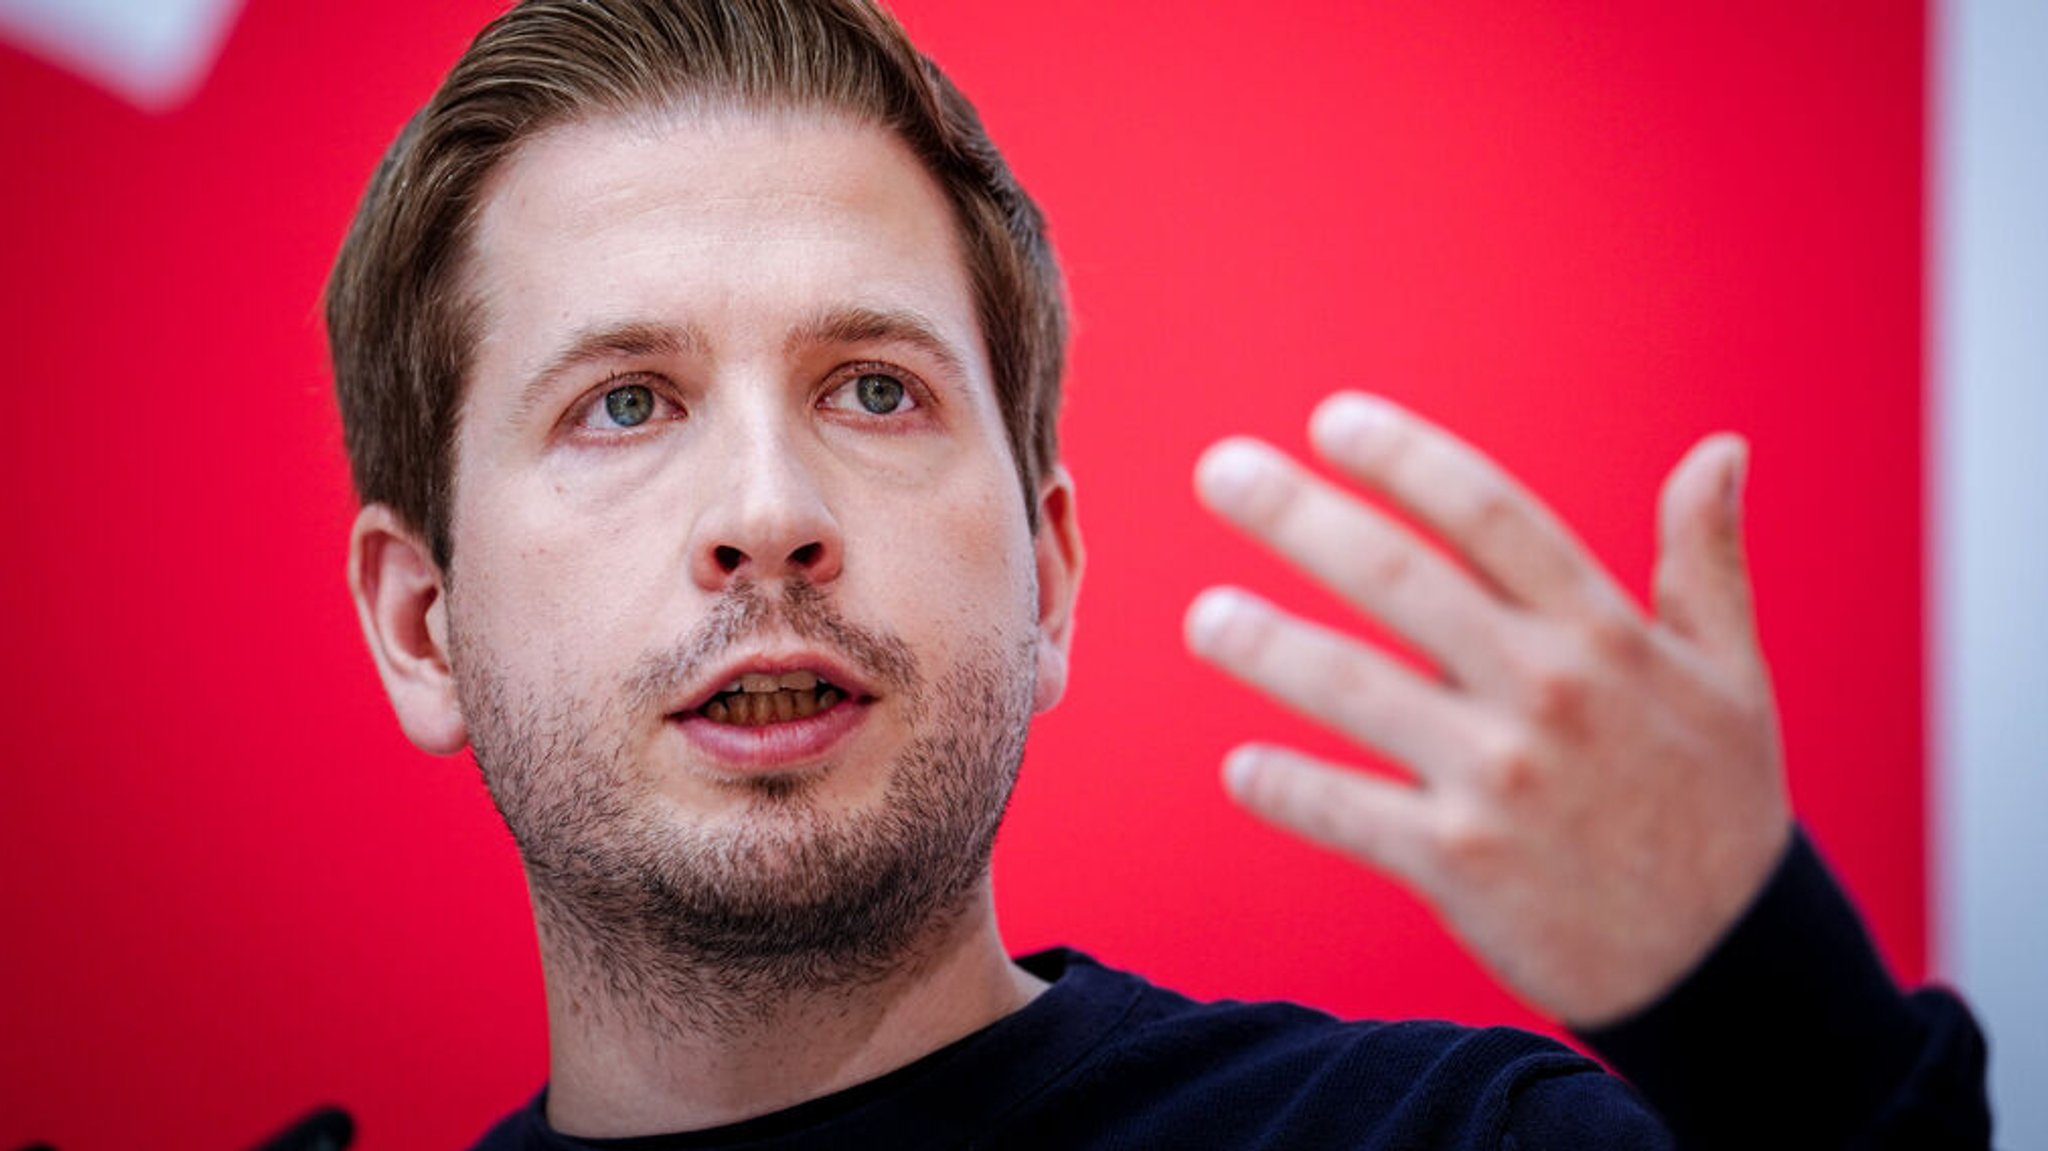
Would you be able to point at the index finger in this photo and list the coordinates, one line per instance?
(1511, 539)
(1357, 551)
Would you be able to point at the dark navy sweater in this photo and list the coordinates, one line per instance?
(1791, 1034)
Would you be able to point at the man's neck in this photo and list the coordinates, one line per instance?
(619, 1069)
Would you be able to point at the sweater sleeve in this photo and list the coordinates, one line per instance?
(1792, 1033)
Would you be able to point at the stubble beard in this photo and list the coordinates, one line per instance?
(716, 927)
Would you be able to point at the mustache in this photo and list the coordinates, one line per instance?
(743, 613)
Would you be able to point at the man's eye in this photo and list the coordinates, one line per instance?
(624, 405)
(875, 393)
(629, 406)
(879, 394)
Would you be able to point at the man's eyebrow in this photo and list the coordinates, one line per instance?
(625, 340)
(858, 325)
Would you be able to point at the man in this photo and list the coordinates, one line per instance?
(699, 364)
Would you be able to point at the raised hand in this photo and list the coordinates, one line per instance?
(1596, 796)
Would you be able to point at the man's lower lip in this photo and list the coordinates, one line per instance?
(770, 747)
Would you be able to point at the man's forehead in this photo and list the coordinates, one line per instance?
(684, 219)
(706, 158)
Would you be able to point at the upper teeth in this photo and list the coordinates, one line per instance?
(756, 683)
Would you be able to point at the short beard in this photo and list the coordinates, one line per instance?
(689, 931)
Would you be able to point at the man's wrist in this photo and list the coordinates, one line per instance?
(1792, 1015)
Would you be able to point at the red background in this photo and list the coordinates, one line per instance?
(1582, 235)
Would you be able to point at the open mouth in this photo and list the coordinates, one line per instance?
(757, 699)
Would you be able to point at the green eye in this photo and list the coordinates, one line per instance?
(879, 394)
(629, 406)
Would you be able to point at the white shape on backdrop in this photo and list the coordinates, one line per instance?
(1990, 515)
(153, 53)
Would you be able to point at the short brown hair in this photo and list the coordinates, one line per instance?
(401, 330)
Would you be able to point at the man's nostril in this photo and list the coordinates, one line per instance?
(729, 558)
(807, 555)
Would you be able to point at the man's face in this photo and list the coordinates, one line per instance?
(730, 425)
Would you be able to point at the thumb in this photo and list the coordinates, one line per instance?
(1702, 581)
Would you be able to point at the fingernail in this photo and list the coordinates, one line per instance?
(1343, 418)
(1238, 768)
(1228, 472)
(1210, 617)
(1732, 482)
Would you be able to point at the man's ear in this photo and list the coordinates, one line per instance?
(1060, 560)
(401, 599)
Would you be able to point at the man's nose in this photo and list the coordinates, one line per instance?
(767, 515)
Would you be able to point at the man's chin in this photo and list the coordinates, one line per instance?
(780, 899)
(662, 879)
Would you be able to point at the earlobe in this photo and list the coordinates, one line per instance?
(1060, 559)
(401, 601)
